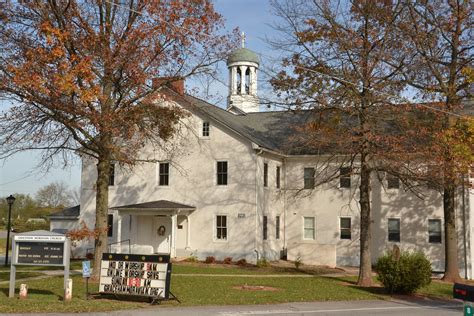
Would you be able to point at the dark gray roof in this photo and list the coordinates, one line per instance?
(67, 213)
(280, 131)
(271, 130)
(159, 205)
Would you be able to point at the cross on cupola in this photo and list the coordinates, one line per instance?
(243, 65)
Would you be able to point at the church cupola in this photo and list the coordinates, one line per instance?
(243, 64)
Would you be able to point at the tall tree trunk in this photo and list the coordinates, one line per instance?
(102, 196)
(365, 269)
(451, 268)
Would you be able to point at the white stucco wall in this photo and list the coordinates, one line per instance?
(245, 201)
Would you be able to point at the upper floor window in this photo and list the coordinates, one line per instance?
(110, 225)
(345, 177)
(265, 174)
(434, 230)
(222, 172)
(277, 177)
(221, 227)
(265, 227)
(394, 229)
(345, 228)
(164, 176)
(393, 182)
(205, 129)
(112, 174)
(308, 228)
(277, 227)
(309, 178)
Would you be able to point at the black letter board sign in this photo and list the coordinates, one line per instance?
(140, 275)
(40, 253)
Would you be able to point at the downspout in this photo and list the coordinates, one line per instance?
(463, 206)
(258, 153)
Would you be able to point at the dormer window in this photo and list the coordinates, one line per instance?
(205, 129)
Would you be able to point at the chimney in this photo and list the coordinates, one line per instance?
(174, 83)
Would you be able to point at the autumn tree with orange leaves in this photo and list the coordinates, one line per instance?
(80, 74)
(439, 46)
(342, 65)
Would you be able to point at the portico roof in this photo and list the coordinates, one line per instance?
(161, 205)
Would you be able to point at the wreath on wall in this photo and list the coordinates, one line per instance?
(161, 230)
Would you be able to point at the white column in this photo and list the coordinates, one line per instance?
(119, 230)
(251, 75)
(243, 69)
(188, 232)
(254, 81)
(233, 81)
(173, 235)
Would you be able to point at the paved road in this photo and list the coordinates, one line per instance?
(354, 308)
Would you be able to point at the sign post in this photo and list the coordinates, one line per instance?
(39, 248)
(86, 273)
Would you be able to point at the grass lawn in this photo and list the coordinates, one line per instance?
(46, 295)
(3, 243)
(5, 276)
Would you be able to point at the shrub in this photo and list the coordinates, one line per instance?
(210, 259)
(227, 260)
(263, 263)
(297, 262)
(89, 256)
(410, 272)
(191, 259)
(242, 262)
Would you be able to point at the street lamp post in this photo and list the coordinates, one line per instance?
(10, 201)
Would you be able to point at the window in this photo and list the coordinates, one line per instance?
(309, 178)
(164, 173)
(345, 228)
(205, 129)
(265, 174)
(112, 174)
(393, 182)
(394, 229)
(345, 177)
(434, 231)
(110, 225)
(222, 172)
(221, 227)
(308, 228)
(265, 228)
(277, 177)
(277, 227)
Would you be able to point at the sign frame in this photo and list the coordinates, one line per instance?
(39, 237)
(122, 261)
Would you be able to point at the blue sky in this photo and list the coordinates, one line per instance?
(20, 173)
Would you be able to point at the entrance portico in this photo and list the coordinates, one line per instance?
(153, 226)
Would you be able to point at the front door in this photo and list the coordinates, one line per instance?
(162, 234)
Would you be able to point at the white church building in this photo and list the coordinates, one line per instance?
(232, 189)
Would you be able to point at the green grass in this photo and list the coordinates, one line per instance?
(3, 243)
(5, 276)
(438, 289)
(200, 268)
(74, 265)
(46, 295)
(194, 290)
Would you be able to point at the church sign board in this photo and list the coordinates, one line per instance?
(39, 248)
(137, 275)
